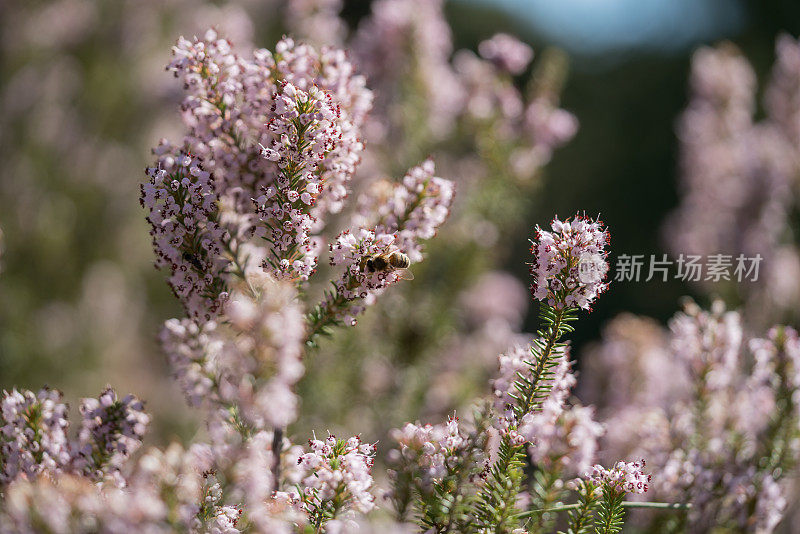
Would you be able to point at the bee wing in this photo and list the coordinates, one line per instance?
(404, 274)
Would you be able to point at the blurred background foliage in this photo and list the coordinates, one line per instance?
(84, 97)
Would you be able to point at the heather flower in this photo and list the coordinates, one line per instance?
(570, 265)
(570, 445)
(33, 438)
(267, 507)
(737, 173)
(304, 131)
(250, 363)
(429, 447)
(496, 297)
(358, 286)
(177, 474)
(413, 209)
(507, 52)
(392, 219)
(519, 361)
(549, 126)
(624, 477)
(627, 367)
(73, 503)
(338, 478)
(187, 239)
(368, 526)
(351, 251)
(783, 91)
(708, 343)
(771, 505)
(256, 100)
(111, 430)
(490, 98)
(279, 135)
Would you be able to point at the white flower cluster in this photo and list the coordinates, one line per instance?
(624, 477)
(570, 265)
(338, 470)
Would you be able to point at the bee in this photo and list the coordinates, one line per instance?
(194, 260)
(388, 262)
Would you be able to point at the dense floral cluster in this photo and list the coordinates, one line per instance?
(570, 265)
(338, 476)
(429, 447)
(413, 210)
(250, 362)
(624, 477)
(187, 237)
(727, 405)
(34, 433)
(111, 430)
(351, 252)
(278, 135)
(34, 438)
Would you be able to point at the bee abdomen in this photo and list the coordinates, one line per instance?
(398, 260)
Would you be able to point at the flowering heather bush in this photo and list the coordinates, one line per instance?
(302, 190)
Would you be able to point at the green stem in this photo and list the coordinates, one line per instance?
(626, 504)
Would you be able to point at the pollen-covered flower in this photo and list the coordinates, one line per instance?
(570, 267)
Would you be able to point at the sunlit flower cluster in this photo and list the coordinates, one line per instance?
(570, 265)
(338, 474)
(624, 477)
